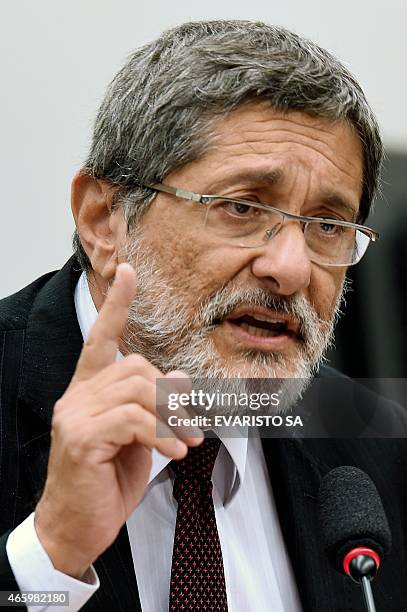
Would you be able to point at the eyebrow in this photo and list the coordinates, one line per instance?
(272, 177)
(338, 201)
(257, 177)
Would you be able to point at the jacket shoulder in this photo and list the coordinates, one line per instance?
(15, 309)
(376, 409)
(327, 371)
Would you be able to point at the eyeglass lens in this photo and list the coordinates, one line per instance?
(248, 226)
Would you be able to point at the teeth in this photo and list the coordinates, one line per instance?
(257, 331)
(268, 319)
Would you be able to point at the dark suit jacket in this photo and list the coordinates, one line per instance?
(40, 341)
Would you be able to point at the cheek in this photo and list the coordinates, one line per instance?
(324, 289)
(194, 267)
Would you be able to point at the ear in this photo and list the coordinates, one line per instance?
(101, 231)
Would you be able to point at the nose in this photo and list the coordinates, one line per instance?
(284, 261)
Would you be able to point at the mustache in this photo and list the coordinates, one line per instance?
(222, 303)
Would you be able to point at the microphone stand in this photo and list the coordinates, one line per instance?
(367, 592)
(363, 568)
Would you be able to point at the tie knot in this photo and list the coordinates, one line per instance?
(197, 466)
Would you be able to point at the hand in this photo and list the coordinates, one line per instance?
(103, 432)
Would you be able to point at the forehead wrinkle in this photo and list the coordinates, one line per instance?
(280, 136)
(308, 127)
(272, 178)
(322, 150)
(246, 133)
(255, 126)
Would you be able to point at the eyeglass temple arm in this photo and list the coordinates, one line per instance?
(179, 193)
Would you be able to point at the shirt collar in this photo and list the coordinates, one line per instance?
(229, 469)
(230, 465)
(84, 304)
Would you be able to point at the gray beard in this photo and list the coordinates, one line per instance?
(162, 329)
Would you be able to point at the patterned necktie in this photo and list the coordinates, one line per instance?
(197, 577)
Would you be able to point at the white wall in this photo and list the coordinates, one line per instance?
(57, 57)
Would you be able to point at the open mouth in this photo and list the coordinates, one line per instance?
(260, 326)
(256, 326)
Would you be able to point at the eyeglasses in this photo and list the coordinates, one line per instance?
(246, 224)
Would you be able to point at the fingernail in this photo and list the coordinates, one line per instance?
(180, 446)
(177, 374)
(123, 265)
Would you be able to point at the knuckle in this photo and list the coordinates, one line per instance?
(141, 419)
(72, 437)
(57, 423)
(73, 394)
(143, 431)
(90, 342)
(60, 416)
(131, 412)
(76, 455)
(137, 383)
(78, 443)
(58, 408)
(70, 431)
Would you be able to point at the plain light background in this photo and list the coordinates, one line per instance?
(58, 57)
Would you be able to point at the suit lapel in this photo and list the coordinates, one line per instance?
(53, 342)
(295, 475)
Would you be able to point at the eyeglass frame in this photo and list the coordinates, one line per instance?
(206, 199)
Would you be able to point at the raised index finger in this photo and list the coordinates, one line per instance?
(100, 347)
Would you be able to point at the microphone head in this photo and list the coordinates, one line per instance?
(351, 515)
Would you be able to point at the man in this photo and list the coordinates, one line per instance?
(243, 285)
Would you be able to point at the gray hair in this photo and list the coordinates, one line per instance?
(159, 110)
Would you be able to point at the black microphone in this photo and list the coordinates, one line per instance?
(354, 526)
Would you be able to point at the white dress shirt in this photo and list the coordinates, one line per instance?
(258, 572)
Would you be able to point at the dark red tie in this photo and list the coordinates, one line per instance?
(197, 576)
